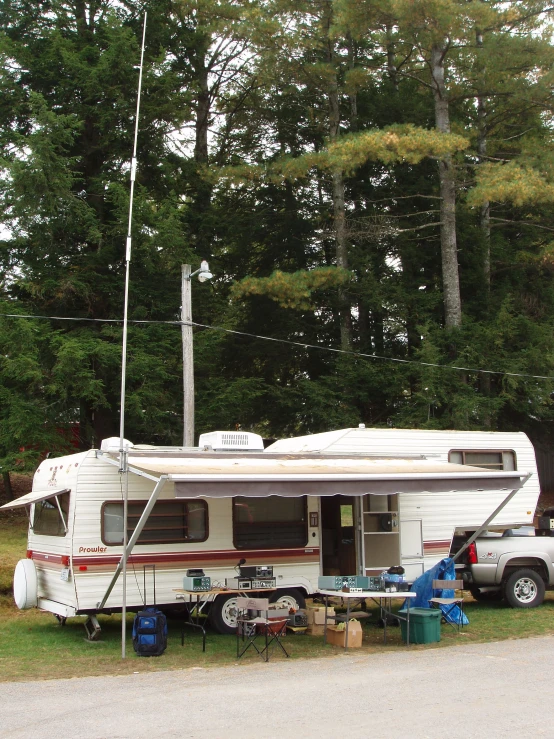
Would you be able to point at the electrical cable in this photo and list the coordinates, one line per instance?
(288, 342)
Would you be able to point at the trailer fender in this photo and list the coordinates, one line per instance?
(528, 559)
(25, 587)
(301, 583)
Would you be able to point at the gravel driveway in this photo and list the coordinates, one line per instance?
(501, 689)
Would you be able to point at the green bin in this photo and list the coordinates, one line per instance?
(425, 625)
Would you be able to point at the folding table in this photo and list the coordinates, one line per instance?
(383, 600)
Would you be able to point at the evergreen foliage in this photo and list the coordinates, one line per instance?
(299, 147)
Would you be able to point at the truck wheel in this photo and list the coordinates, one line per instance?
(486, 596)
(524, 589)
(223, 614)
(289, 598)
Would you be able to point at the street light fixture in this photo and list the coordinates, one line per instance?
(203, 272)
(204, 275)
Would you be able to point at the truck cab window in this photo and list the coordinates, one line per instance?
(46, 518)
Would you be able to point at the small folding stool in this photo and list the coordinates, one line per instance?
(256, 630)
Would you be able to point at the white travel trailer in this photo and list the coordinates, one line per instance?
(340, 502)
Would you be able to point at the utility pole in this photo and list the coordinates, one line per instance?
(204, 274)
(188, 357)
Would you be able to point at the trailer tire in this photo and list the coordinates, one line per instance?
(223, 613)
(289, 597)
(524, 589)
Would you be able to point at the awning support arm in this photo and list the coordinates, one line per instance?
(132, 541)
(490, 518)
(134, 470)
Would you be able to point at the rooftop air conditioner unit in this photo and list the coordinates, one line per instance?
(112, 445)
(231, 440)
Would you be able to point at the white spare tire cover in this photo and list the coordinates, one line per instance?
(25, 584)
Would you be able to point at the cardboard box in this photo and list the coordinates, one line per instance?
(316, 614)
(315, 629)
(277, 612)
(337, 636)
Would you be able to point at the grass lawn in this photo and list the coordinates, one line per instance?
(33, 645)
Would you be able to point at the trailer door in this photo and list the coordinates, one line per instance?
(338, 535)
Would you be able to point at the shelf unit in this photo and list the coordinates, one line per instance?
(381, 537)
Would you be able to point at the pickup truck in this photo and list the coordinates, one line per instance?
(516, 567)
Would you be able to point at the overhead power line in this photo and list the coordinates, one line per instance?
(301, 344)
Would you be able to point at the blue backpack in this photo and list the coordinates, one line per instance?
(150, 633)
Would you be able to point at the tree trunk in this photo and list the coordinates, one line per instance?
(339, 211)
(484, 216)
(353, 96)
(364, 327)
(449, 251)
(484, 219)
(203, 188)
(378, 331)
(6, 479)
(202, 109)
(392, 72)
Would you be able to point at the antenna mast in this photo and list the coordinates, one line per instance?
(123, 451)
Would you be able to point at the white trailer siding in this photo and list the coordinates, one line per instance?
(440, 513)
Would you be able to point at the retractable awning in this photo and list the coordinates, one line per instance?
(34, 497)
(256, 476)
(212, 475)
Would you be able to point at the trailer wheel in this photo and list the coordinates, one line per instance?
(223, 614)
(524, 589)
(289, 598)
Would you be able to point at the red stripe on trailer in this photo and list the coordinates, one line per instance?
(57, 559)
(433, 546)
(269, 556)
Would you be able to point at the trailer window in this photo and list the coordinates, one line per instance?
(491, 460)
(47, 520)
(170, 522)
(269, 523)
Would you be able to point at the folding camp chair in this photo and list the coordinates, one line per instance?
(257, 630)
(452, 608)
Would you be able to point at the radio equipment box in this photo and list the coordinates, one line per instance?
(375, 583)
(298, 619)
(256, 571)
(268, 582)
(196, 584)
(238, 583)
(337, 582)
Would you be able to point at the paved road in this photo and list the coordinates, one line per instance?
(503, 689)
